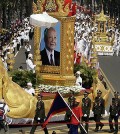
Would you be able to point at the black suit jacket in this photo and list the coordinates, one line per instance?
(45, 60)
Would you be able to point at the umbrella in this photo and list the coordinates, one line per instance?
(42, 20)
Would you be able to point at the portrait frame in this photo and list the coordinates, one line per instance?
(44, 31)
(63, 74)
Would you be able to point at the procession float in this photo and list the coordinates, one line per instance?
(103, 38)
(54, 78)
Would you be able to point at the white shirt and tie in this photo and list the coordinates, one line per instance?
(50, 57)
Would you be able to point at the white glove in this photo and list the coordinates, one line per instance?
(116, 115)
(38, 118)
(85, 115)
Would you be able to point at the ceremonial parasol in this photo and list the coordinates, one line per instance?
(42, 20)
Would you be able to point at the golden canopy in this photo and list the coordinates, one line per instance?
(102, 17)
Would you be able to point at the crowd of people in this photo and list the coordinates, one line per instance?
(20, 35)
(83, 113)
(85, 31)
(12, 40)
(78, 115)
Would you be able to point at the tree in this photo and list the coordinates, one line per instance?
(6, 7)
(28, 7)
(12, 9)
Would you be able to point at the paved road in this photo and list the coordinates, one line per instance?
(59, 128)
(20, 59)
(111, 67)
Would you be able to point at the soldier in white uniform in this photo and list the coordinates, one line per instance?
(30, 65)
(30, 89)
(78, 79)
(116, 47)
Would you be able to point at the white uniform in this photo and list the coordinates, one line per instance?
(5, 107)
(30, 91)
(82, 46)
(28, 47)
(5, 64)
(79, 81)
(116, 47)
(30, 65)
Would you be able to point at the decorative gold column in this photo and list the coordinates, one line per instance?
(113, 22)
(94, 58)
(104, 26)
(37, 57)
(67, 63)
(98, 26)
(10, 59)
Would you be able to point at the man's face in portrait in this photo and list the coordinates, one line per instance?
(51, 39)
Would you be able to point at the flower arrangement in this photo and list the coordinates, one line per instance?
(88, 74)
(22, 77)
(61, 89)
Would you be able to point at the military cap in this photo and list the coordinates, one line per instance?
(99, 92)
(116, 93)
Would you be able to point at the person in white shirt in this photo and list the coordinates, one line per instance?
(116, 47)
(30, 89)
(82, 45)
(4, 62)
(22, 36)
(27, 49)
(14, 44)
(78, 79)
(4, 106)
(18, 42)
(30, 65)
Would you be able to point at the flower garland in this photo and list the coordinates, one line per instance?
(61, 89)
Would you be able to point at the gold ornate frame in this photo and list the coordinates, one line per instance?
(46, 5)
(63, 74)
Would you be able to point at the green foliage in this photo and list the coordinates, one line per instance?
(88, 74)
(23, 77)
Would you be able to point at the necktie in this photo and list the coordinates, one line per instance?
(51, 60)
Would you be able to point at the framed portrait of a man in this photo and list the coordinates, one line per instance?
(54, 47)
(50, 45)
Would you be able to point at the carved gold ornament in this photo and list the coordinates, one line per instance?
(52, 7)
